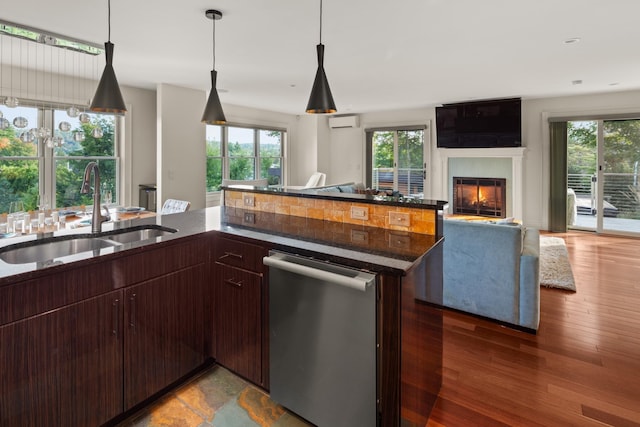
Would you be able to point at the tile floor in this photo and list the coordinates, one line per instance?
(215, 398)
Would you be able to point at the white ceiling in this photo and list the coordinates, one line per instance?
(379, 55)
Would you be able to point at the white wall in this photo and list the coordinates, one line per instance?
(180, 147)
(140, 142)
(303, 149)
(346, 156)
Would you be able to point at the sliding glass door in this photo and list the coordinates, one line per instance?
(603, 158)
(398, 161)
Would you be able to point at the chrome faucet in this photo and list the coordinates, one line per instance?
(97, 219)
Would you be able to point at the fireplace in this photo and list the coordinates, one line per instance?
(480, 196)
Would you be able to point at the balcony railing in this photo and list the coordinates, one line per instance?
(410, 180)
(621, 193)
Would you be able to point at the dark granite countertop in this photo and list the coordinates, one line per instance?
(366, 247)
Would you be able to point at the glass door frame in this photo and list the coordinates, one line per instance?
(602, 225)
(426, 144)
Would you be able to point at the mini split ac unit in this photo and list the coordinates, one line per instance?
(337, 122)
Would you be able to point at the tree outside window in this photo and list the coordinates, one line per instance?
(89, 137)
(243, 153)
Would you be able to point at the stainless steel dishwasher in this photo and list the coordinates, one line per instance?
(322, 335)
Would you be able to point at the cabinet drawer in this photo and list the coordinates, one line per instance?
(239, 254)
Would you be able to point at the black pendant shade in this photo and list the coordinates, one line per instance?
(213, 114)
(321, 100)
(108, 98)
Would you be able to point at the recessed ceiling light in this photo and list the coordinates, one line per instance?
(576, 82)
(614, 84)
(572, 40)
(223, 90)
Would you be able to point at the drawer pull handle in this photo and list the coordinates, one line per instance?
(132, 312)
(232, 255)
(234, 283)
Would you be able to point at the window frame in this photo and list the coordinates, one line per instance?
(426, 144)
(47, 159)
(257, 166)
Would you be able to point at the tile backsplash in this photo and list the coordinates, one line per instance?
(416, 220)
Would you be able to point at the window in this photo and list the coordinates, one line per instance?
(34, 169)
(396, 160)
(242, 153)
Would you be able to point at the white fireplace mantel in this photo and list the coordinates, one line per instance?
(516, 154)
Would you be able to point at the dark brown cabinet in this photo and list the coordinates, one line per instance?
(239, 309)
(238, 321)
(80, 345)
(63, 367)
(164, 332)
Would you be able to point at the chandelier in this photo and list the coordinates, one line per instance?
(35, 66)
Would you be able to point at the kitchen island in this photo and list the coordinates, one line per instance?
(161, 306)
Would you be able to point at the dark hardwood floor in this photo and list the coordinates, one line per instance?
(581, 369)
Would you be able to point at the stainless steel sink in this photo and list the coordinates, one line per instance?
(128, 235)
(49, 249)
(56, 247)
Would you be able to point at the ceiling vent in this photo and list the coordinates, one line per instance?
(339, 122)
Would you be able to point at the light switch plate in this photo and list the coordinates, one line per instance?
(399, 218)
(360, 236)
(358, 212)
(249, 200)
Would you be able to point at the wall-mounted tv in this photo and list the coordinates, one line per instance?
(480, 124)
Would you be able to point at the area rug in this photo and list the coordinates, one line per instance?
(555, 270)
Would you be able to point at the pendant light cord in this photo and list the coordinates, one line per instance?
(214, 43)
(109, 20)
(320, 21)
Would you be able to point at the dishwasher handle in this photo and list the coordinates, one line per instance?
(355, 279)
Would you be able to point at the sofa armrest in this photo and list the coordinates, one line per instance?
(530, 280)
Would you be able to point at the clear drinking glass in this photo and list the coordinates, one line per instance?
(14, 219)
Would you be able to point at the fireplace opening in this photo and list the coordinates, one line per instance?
(480, 196)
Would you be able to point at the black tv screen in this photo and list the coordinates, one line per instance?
(480, 124)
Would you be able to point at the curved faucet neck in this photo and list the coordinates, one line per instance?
(97, 218)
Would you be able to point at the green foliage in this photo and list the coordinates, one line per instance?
(19, 178)
(383, 149)
(242, 160)
(621, 153)
(409, 163)
(69, 173)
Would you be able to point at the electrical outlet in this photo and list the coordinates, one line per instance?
(249, 200)
(358, 212)
(399, 218)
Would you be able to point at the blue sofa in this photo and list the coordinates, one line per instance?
(491, 269)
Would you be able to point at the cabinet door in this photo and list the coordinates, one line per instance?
(164, 331)
(238, 321)
(63, 367)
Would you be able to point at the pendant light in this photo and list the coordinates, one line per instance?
(108, 98)
(213, 114)
(321, 100)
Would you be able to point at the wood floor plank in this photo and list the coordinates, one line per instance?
(582, 368)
